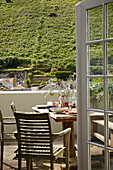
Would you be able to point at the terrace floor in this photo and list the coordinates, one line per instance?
(10, 163)
(97, 159)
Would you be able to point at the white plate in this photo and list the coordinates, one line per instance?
(59, 109)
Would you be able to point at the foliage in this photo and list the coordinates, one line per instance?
(96, 88)
(96, 61)
(30, 75)
(39, 30)
(9, 62)
(38, 72)
(63, 74)
(53, 70)
(35, 83)
(96, 91)
(44, 31)
(48, 75)
(8, 1)
(94, 70)
(35, 75)
(28, 82)
(54, 80)
(14, 69)
(42, 83)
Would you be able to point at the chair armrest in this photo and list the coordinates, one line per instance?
(61, 133)
(21, 112)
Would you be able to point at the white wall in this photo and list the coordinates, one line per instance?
(24, 101)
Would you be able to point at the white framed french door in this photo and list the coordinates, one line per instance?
(94, 49)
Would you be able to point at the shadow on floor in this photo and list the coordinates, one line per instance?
(10, 163)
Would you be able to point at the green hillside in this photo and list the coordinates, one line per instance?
(43, 30)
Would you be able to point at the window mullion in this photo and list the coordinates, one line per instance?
(105, 89)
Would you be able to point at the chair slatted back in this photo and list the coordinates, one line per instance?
(2, 127)
(13, 107)
(34, 134)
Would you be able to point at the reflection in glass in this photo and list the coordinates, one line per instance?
(110, 130)
(97, 158)
(95, 59)
(110, 57)
(110, 21)
(111, 160)
(97, 127)
(95, 24)
(110, 94)
(96, 93)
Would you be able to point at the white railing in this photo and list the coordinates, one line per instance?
(24, 101)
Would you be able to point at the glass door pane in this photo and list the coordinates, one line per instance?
(100, 86)
(97, 158)
(95, 52)
(110, 58)
(110, 20)
(95, 20)
(96, 123)
(96, 93)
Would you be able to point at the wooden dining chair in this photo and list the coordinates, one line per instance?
(35, 139)
(13, 107)
(4, 122)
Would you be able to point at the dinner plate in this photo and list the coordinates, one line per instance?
(44, 106)
(59, 109)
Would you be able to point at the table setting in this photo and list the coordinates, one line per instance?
(55, 108)
(66, 115)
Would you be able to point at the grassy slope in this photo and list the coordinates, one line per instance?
(28, 30)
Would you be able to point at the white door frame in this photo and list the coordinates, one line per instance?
(81, 31)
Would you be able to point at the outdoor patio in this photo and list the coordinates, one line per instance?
(10, 163)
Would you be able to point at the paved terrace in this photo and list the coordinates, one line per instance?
(10, 163)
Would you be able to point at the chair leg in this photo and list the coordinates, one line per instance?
(29, 164)
(67, 160)
(52, 164)
(19, 163)
(2, 152)
(67, 152)
(2, 145)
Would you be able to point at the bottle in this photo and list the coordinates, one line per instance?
(62, 101)
(74, 101)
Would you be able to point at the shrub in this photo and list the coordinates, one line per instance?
(24, 61)
(37, 75)
(30, 75)
(63, 74)
(10, 62)
(96, 70)
(38, 72)
(33, 62)
(28, 82)
(33, 66)
(48, 75)
(70, 66)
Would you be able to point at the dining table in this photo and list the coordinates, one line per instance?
(67, 118)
